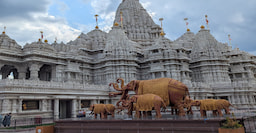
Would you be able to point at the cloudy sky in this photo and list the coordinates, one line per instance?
(66, 19)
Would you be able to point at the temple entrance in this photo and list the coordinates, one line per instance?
(65, 109)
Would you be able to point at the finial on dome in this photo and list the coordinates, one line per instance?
(116, 24)
(207, 21)
(4, 29)
(55, 40)
(39, 40)
(202, 27)
(229, 38)
(42, 36)
(96, 16)
(186, 20)
(46, 41)
(162, 31)
(188, 30)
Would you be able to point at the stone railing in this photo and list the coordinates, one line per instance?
(50, 84)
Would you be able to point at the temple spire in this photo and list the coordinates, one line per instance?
(96, 16)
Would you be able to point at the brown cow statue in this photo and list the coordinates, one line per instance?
(103, 110)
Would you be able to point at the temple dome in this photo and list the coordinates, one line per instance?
(82, 41)
(206, 46)
(39, 45)
(8, 43)
(61, 47)
(186, 40)
(118, 43)
(161, 43)
(98, 38)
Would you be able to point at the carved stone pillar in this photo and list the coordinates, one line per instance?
(44, 105)
(153, 75)
(79, 104)
(20, 105)
(69, 76)
(107, 101)
(49, 105)
(74, 105)
(168, 74)
(243, 99)
(232, 99)
(22, 74)
(162, 74)
(34, 68)
(5, 106)
(56, 108)
(14, 106)
(94, 101)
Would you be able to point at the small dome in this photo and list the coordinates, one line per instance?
(7, 42)
(39, 46)
(118, 43)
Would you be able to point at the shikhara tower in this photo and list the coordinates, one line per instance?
(56, 80)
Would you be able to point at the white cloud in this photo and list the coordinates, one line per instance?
(106, 11)
(24, 31)
(27, 29)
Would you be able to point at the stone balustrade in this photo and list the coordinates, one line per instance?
(53, 85)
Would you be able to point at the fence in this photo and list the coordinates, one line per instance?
(27, 122)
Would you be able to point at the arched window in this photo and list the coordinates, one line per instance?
(45, 73)
(9, 71)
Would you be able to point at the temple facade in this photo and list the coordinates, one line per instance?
(56, 80)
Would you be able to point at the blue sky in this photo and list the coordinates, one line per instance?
(66, 19)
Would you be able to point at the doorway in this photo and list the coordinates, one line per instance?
(65, 107)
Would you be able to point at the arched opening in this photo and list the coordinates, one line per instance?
(45, 73)
(9, 71)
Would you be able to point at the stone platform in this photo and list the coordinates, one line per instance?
(167, 124)
(138, 126)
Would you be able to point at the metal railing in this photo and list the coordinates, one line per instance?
(28, 122)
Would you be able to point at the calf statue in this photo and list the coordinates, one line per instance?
(214, 105)
(103, 110)
(173, 92)
(147, 102)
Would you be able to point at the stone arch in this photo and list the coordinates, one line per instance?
(45, 73)
(6, 70)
